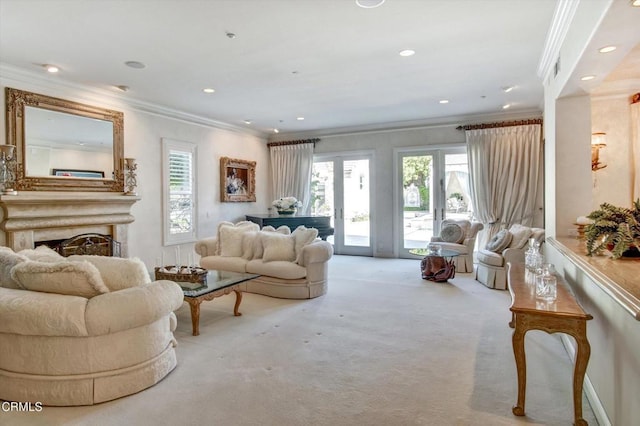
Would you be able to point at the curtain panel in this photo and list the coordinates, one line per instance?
(505, 165)
(291, 172)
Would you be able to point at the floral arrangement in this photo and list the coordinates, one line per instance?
(286, 203)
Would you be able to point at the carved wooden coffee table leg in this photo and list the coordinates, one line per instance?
(194, 305)
(237, 305)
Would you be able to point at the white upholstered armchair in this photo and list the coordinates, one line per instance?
(505, 247)
(459, 236)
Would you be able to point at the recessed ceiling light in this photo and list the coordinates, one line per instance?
(369, 4)
(247, 121)
(276, 131)
(208, 90)
(588, 77)
(607, 49)
(507, 89)
(51, 68)
(444, 101)
(122, 88)
(506, 106)
(300, 118)
(636, 3)
(135, 64)
(407, 52)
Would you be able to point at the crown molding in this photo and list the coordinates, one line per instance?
(400, 126)
(562, 17)
(87, 93)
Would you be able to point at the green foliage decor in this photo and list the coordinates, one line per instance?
(614, 228)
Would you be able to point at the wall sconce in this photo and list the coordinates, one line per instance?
(7, 169)
(598, 140)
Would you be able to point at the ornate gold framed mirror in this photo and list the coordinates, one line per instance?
(63, 145)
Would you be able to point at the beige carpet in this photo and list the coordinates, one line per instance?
(383, 347)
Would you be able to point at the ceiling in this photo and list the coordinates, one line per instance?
(272, 61)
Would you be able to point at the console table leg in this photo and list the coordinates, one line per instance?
(521, 367)
(237, 305)
(582, 358)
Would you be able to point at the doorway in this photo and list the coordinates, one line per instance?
(341, 188)
(433, 186)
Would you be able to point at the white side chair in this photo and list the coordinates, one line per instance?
(507, 246)
(459, 236)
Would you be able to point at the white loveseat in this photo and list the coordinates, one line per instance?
(291, 265)
(82, 330)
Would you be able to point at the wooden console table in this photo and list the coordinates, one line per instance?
(321, 223)
(564, 315)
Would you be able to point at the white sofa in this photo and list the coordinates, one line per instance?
(82, 330)
(291, 265)
(493, 259)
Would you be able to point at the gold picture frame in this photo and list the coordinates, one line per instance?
(237, 180)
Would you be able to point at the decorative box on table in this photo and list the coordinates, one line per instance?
(188, 277)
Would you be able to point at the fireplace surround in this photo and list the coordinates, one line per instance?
(33, 217)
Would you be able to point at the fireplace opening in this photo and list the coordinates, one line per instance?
(90, 244)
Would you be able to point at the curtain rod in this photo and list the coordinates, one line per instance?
(297, 142)
(500, 124)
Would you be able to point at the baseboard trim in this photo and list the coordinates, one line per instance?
(592, 396)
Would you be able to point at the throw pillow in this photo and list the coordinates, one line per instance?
(258, 248)
(249, 241)
(9, 259)
(500, 241)
(452, 233)
(521, 235)
(70, 278)
(278, 247)
(117, 273)
(303, 236)
(42, 254)
(230, 237)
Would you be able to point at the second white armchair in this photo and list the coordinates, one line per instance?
(459, 236)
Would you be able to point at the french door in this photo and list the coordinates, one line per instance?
(433, 184)
(340, 188)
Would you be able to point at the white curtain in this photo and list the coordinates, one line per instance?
(635, 149)
(505, 166)
(291, 173)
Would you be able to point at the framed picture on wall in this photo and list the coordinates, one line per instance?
(237, 180)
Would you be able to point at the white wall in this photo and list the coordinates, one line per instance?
(612, 115)
(613, 373)
(142, 140)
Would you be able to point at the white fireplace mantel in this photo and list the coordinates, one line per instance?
(30, 217)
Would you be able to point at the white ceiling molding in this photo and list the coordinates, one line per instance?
(562, 17)
(59, 87)
(453, 121)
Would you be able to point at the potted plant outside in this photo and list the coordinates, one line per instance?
(616, 229)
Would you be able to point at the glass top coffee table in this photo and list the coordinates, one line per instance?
(436, 265)
(216, 284)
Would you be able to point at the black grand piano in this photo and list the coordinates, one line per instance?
(321, 223)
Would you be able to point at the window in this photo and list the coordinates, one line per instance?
(179, 190)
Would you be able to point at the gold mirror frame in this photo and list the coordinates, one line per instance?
(16, 100)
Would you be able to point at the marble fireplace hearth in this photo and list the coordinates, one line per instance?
(32, 217)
